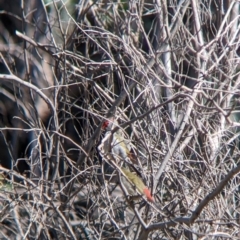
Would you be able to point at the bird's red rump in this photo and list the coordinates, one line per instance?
(148, 195)
(133, 157)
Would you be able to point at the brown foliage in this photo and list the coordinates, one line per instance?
(168, 70)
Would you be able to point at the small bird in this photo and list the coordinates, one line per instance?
(114, 147)
(137, 182)
(120, 147)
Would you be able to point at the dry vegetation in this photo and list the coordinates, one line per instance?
(170, 72)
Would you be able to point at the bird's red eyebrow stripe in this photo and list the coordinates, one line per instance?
(105, 124)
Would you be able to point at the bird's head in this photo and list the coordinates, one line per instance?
(105, 124)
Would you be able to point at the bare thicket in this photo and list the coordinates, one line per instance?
(169, 71)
